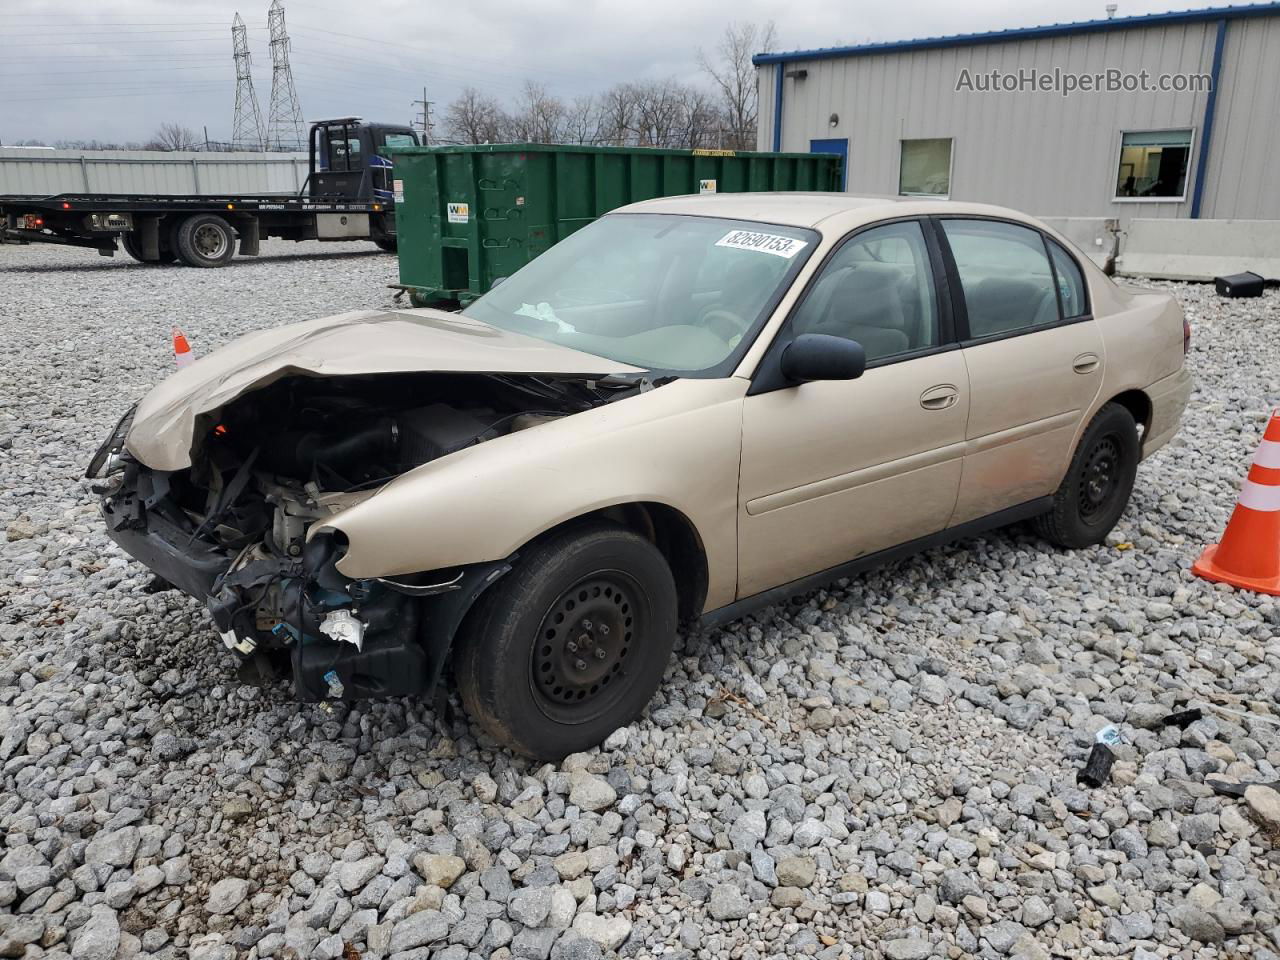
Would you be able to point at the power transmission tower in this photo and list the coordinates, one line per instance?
(246, 129)
(425, 121)
(284, 126)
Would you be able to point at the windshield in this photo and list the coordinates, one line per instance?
(672, 293)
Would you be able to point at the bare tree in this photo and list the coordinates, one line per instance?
(661, 109)
(735, 78)
(582, 121)
(474, 118)
(702, 120)
(617, 115)
(538, 117)
(171, 135)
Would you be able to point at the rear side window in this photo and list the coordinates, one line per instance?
(1071, 288)
(1005, 275)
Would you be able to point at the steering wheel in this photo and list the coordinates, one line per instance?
(591, 296)
(725, 324)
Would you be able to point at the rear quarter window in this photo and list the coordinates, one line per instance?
(1072, 289)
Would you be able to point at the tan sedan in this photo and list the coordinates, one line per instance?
(690, 407)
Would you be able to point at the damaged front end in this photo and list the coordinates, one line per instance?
(234, 528)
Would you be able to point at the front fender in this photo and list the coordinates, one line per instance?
(678, 445)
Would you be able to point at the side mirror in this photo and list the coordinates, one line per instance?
(820, 356)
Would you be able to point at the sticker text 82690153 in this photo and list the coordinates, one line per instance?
(773, 243)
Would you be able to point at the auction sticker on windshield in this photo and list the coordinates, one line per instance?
(772, 243)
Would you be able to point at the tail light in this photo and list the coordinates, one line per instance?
(1186, 336)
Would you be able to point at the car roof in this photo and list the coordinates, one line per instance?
(798, 209)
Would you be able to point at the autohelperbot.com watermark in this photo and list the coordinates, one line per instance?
(1068, 82)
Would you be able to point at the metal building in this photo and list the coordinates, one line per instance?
(1182, 118)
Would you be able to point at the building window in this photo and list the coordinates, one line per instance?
(925, 168)
(1153, 165)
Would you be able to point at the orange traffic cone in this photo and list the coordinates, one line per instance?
(182, 354)
(1249, 554)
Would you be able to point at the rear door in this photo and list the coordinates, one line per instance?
(1034, 355)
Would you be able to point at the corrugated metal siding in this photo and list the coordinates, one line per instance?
(1244, 159)
(1035, 151)
(765, 81)
(48, 172)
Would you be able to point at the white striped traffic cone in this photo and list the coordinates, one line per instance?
(182, 354)
(1249, 554)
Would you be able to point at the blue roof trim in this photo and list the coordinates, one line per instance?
(1025, 33)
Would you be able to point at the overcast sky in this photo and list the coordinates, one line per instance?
(115, 69)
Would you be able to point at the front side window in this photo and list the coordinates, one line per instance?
(1005, 275)
(876, 289)
(665, 292)
(1153, 165)
(924, 169)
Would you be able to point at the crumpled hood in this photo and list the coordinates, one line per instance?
(363, 342)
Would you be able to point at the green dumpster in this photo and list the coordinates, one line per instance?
(467, 216)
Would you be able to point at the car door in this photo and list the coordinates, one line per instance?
(835, 470)
(1034, 355)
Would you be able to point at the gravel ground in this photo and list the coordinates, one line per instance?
(883, 769)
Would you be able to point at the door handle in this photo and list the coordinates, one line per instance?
(940, 397)
(1086, 363)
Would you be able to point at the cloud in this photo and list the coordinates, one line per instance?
(116, 69)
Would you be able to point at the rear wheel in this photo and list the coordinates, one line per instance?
(1098, 483)
(386, 243)
(133, 247)
(205, 240)
(572, 644)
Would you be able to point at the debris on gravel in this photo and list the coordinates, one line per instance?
(882, 768)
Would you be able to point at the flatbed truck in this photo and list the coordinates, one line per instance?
(348, 195)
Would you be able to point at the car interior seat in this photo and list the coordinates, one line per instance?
(1000, 304)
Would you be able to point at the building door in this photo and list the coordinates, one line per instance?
(841, 147)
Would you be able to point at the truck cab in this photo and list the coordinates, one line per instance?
(346, 162)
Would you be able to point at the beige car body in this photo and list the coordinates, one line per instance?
(774, 487)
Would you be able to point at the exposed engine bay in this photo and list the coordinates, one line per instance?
(232, 529)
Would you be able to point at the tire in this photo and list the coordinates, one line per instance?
(1096, 489)
(539, 689)
(386, 243)
(134, 249)
(204, 240)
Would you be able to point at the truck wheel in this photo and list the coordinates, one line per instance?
(1098, 483)
(134, 249)
(571, 644)
(386, 243)
(205, 240)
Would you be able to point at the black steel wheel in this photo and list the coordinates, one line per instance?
(585, 640)
(205, 240)
(571, 644)
(1099, 481)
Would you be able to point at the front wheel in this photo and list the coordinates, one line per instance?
(386, 243)
(205, 240)
(1098, 483)
(572, 644)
